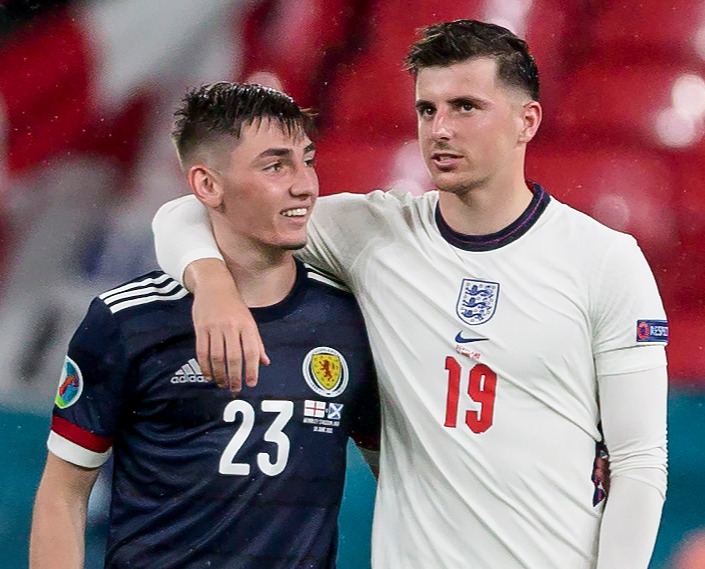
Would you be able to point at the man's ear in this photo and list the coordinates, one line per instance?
(205, 184)
(531, 119)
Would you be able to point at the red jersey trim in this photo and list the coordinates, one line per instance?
(79, 436)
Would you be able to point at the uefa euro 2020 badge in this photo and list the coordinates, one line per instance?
(325, 371)
(70, 385)
(477, 301)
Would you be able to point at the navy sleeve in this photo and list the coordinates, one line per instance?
(90, 396)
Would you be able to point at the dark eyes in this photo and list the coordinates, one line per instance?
(276, 167)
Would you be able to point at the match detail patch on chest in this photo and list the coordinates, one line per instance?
(325, 371)
(70, 384)
(477, 301)
(324, 416)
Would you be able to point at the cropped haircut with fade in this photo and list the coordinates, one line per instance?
(448, 43)
(216, 111)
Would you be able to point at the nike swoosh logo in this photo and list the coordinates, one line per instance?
(459, 338)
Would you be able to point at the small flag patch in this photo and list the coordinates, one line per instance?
(314, 409)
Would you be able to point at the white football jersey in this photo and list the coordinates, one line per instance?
(487, 352)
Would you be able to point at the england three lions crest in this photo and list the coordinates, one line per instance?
(477, 301)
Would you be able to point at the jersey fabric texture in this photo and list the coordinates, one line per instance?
(203, 477)
(487, 352)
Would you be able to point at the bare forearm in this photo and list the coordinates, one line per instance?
(57, 539)
(210, 274)
(58, 529)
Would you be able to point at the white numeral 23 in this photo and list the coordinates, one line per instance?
(275, 434)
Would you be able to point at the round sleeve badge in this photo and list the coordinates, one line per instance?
(70, 385)
(326, 371)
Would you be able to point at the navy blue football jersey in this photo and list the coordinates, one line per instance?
(203, 477)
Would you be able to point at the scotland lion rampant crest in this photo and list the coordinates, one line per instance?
(477, 301)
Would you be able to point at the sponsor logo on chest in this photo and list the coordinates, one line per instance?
(190, 372)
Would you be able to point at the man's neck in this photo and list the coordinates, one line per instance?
(485, 210)
(263, 275)
(262, 281)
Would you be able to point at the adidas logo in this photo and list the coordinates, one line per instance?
(190, 372)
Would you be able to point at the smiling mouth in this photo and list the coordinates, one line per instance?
(441, 157)
(295, 212)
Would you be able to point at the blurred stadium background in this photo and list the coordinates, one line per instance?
(86, 94)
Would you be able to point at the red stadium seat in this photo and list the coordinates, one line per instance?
(649, 29)
(686, 349)
(296, 41)
(346, 166)
(663, 105)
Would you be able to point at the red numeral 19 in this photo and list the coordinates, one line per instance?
(481, 389)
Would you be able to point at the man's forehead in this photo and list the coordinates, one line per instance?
(270, 130)
(477, 73)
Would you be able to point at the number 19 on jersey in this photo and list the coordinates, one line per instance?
(480, 384)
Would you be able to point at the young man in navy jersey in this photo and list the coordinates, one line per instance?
(203, 478)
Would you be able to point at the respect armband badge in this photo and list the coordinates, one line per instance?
(650, 331)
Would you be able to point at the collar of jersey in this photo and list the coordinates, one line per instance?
(288, 303)
(503, 237)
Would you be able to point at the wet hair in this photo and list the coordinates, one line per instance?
(454, 42)
(214, 112)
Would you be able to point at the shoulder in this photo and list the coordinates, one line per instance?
(377, 201)
(142, 293)
(326, 283)
(577, 227)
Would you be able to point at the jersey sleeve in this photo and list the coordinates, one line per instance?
(183, 234)
(90, 396)
(630, 330)
(342, 227)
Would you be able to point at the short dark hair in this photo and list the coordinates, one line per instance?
(453, 42)
(217, 110)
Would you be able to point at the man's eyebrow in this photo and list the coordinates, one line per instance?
(278, 152)
(282, 152)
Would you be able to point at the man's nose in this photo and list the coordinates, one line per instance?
(441, 126)
(305, 182)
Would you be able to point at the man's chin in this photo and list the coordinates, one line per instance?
(294, 246)
(456, 184)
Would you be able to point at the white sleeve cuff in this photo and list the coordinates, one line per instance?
(76, 454)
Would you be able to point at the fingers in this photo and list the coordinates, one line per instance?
(203, 353)
(228, 346)
(253, 353)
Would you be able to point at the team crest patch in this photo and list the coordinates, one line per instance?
(477, 301)
(652, 331)
(326, 371)
(70, 385)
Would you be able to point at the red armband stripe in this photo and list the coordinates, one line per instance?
(81, 437)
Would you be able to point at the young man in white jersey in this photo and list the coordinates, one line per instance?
(509, 331)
